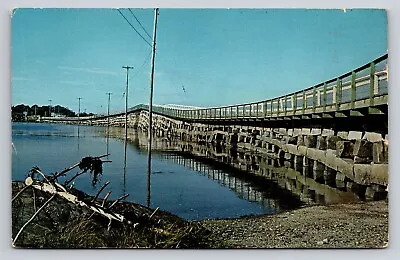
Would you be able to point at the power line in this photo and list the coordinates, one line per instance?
(139, 23)
(141, 66)
(133, 28)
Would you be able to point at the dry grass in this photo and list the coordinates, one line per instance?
(63, 225)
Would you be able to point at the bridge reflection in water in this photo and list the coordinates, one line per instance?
(270, 182)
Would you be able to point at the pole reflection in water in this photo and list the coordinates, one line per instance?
(78, 138)
(148, 190)
(107, 142)
(124, 168)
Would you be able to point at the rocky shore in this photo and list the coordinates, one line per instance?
(358, 225)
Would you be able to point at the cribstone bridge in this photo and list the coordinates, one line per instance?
(338, 128)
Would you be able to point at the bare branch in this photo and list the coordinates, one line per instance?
(36, 169)
(118, 200)
(19, 193)
(101, 189)
(73, 178)
(105, 198)
(32, 218)
(154, 212)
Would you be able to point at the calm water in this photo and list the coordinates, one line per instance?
(185, 187)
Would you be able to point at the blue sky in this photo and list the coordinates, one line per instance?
(220, 56)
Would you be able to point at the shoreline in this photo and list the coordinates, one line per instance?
(355, 225)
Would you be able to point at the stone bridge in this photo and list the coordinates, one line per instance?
(337, 128)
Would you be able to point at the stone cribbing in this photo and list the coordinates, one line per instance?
(354, 159)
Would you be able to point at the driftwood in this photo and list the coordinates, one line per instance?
(50, 185)
(74, 199)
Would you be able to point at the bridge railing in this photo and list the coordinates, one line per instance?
(345, 92)
(362, 84)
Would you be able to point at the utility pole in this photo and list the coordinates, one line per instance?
(150, 128)
(108, 120)
(108, 111)
(50, 107)
(126, 99)
(108, 106)
(79, 107)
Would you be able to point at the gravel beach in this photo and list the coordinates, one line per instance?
(358, 225)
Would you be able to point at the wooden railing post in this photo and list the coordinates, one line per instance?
(272, 108)
(265, 109)
(314, 101)
(250, 110)
(277, 111)
(285, 105)
(353, 89)
(338, 93)
(371, 84)
(294, 103)
(318, 98)
(257, 111)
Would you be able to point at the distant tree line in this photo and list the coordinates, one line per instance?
(22, 112)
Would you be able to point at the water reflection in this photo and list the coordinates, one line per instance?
(269, 179)
(124, 169)
(192, 181)
(274, 184)
(78, 138)
(108, 145)
(271, 197)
